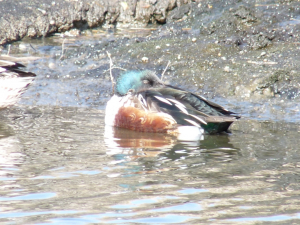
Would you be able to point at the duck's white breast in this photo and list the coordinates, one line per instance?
(113, 106)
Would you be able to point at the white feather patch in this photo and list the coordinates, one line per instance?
(203, 97)
(176, 102)
(182, 109)
(144, 107)
(143, 101)
(2, 69)
(113, 106)
(198, 118)
(192, 122)
(163, 100)
(190, 133)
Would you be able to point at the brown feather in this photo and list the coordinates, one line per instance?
(140, 120)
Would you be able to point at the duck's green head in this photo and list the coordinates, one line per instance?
(136, 81)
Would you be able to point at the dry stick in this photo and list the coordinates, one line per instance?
(8, 49)
(62, 49)
(114, 67)
(32, 47)
(162, 75)
(110, 68)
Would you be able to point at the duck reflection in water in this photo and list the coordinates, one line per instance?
(11, 151)
(134, 145)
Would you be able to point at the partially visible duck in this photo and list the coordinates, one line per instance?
(13, 80)
(142, 102)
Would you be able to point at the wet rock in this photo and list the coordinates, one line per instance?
(145, 59)
(242, 91)
(281, 84)
(180, 12)
(245, 14)
(71, 33)
(42, 17)
(234, 40)
(259, 41)
(227, 69)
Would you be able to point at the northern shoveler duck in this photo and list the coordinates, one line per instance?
(13, 81)
(142, 102)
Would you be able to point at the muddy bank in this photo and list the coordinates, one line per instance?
(239, 50)
(244, 49)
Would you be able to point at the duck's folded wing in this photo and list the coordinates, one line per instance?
(187, 108)
(11, 68)
(154, 101)
(196, 101)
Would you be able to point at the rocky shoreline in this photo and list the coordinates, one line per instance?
(38, 18)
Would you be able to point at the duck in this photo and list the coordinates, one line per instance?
(13, 80)
(143, 102)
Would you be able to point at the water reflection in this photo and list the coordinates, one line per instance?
(136, 144)
(10, 148)
(139, 144)
(69, 167)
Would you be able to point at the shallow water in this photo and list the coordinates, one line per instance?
(59, 164)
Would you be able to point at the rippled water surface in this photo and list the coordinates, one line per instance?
(59, 164)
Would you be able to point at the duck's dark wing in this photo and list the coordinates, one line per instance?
(10, 68)
(198, 102)
(188, 109)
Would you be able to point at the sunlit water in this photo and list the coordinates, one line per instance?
(59, 164)
(62, 166)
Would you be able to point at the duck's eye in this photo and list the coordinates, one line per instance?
(146, 81)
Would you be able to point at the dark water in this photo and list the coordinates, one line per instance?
(59, 164)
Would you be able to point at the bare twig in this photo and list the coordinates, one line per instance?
(110, 71)
(294, 19)
(111, 67)
(262, 62)
(8, 49)
(62, 49)
(32, 47)
(162, 75)
(115, 67)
